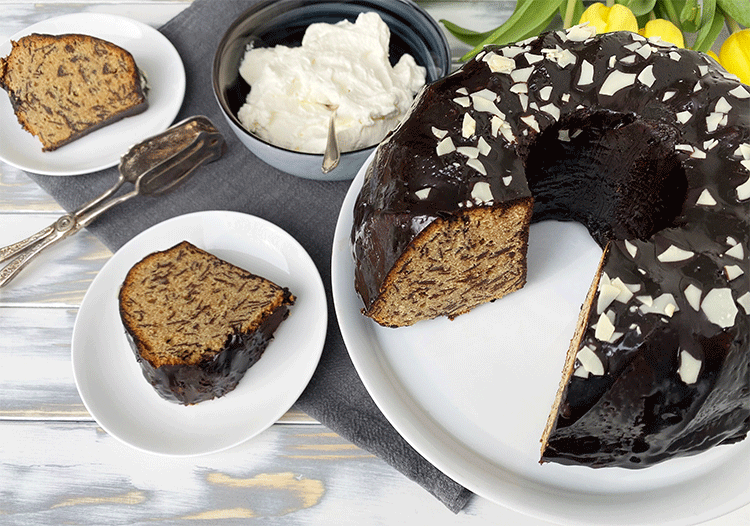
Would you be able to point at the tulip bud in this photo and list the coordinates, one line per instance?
(734, 54)
(606, 19)
(664, 29)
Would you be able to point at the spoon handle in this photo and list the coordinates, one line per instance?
(332, 155)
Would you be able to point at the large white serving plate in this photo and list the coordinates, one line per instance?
(472, 395)
(110, 380)
(155, 56)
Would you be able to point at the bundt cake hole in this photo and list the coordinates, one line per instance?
(645, 185)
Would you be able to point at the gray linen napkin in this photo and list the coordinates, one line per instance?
(306, 209)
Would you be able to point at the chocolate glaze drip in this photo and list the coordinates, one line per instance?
(217, 374)
(648, 146)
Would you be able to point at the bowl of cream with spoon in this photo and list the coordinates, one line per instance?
(285, 67)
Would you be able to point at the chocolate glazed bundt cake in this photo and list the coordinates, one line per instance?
(645, 144)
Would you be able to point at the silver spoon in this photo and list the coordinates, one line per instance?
(331, 156)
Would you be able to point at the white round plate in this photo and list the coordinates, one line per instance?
(154, 55)
(110, 381)
(472, 395)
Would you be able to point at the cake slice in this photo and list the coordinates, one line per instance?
(197, 323)
(63, 87)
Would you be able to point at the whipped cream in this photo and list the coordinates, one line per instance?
(342, 67)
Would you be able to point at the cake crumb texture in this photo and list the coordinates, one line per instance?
(62, 87)
(183, 305)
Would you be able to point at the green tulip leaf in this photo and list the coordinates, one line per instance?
(739, 10)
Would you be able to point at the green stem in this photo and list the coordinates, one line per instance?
(671, 13)
(732, 24)
(569, 11)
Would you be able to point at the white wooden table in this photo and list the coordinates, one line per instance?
(58, 467)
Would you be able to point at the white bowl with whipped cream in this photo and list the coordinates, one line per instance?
(285, 66)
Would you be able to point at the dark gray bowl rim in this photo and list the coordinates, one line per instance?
(262, 5)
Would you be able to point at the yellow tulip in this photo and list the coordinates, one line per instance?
(734, 54)
(606, 19)
(664, 29)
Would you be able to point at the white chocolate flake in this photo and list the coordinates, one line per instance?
(644, 51)
(616, 81)
(673, 254)
(690, 368)
(445, 146)
(719, 307)
(520, 87)
(744, 302)
(710, 144)
(468, 126)
(733, 272)
(604, 328)
(487, 106)
(552, 110)
(581, 372)
(463, 101)
(545, 92)
(437, 132)
(646, 76)
(482, 193)
(743, 150)
(674, 55)
(484, 147)
(693, 296)
(668, 95)
(714, 120)
(631, 248)
(477, 165)
(587, 74)
(462, 91)
(562, 57)
(485, 94)
(607, 294)
(706, 199)
(522, 75)
(512, 51)
(507, 179)
(630, 59)
(532, 58)
(563, 135)
(424, 193)
(740, 92)
(590, 361)
(736, 252)
(530, 120)
(664, 304)
(498, 63)
(722, 106)
(472, 152)
(683, 116)
(581, 32)
(743, 190)
(698, 154)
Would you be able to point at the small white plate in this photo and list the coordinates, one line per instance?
(110, 381)
(154, 55)
(472, 395)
